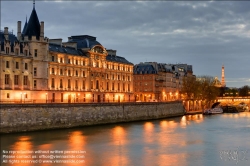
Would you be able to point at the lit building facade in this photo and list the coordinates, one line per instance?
(159, 81)
(35, 69)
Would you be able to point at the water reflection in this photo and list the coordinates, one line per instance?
(23, 144)
(187, 140)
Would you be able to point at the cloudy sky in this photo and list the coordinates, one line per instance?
(205, 34)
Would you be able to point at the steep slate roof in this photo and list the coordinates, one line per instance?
(33, 26)
(66, 50)
(118, 59)
(25, 26)
(84, 41)
(12, 39)
(144, 68)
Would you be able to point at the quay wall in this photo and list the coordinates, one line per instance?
(31, 117)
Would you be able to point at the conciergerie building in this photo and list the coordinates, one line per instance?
(36, 69)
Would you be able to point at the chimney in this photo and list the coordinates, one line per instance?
(6, 33)
(42, 29)
(19, 30)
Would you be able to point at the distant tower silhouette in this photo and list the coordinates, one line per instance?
(223, 83)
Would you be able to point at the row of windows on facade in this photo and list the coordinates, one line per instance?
(150, 83)
(83, 63)
(97, 86)
(84, 74)
(16, 80)
(17, 51)
(7, 65)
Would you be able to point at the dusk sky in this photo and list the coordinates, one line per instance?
(204, 34)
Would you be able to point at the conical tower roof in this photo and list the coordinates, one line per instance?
(33, 26)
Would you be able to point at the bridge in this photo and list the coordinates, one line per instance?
(233, 100)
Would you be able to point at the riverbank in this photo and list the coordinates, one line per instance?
(33, 117)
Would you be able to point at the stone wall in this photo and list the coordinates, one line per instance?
(30, 117)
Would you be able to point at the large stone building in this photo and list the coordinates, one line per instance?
(159, 81)
(37, 69)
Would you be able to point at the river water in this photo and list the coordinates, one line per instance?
(192, 140)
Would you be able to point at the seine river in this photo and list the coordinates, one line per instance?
(192, 140)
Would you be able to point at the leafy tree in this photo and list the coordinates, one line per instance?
(244, 90)
(201, 88)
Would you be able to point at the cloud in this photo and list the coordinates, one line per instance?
(203, 34)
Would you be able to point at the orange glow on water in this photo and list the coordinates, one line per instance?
(76, 140)
(118, 136)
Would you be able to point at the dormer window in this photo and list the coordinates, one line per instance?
(26, 52)
(17, 51)
(7, 50)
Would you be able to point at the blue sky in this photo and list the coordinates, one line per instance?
(205, 34)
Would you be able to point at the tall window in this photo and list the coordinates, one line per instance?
(52, 58)
(25, 80)
(16, 79)
(7, 79)
(53, 97)
(76, 62)
(123, 87)
(92, 84)
(118, 86)
(69, 86)
(61, 60)
(35, 83)
(129, 87)
(7, 64)
(61, 83)
(35, 71)
(76, 72)
(113, 86)
(35, 52)
(17, 65)
(52, 71)
(68, 61)
(76, 84)
(83, 84)
(61, 97)
(97, 84)
(69, 74)
(83, 73)
(53, 83)
(26, 66)
(61, 71)
(107, 85)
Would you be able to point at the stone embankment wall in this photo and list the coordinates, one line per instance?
(31, 117)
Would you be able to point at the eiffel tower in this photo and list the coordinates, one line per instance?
(223, 83)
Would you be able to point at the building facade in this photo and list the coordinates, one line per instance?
(159, 81)
(35, 69)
